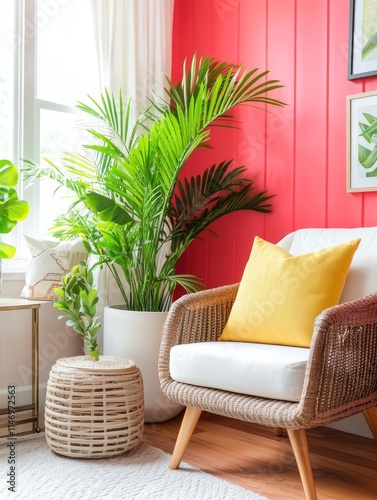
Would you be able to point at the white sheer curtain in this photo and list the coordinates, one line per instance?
(134, 42)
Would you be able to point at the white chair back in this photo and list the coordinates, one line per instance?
(362, 276)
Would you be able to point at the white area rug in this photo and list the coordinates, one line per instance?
(140, 474)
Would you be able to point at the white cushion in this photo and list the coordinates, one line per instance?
(264, 370)
(48, 263)
(362, 276)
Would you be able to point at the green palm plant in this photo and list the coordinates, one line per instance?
(131, 206)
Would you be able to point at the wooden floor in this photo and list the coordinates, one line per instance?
(344, 465)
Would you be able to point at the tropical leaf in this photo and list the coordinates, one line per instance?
(368, 130)
(370, 45)
(6, 251)
(107, 209)
(372, 174)
(363, 154)
(78, 301)
(8, 174)
(367, 159)
(12, 210)
(370, 118)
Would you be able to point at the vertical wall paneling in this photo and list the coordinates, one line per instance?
(252, 53)
(370, 198)
(298, 153)
(225, 38)
(311, 113)
(281, 122)
(344, 209)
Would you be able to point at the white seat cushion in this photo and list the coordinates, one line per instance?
(264, 370)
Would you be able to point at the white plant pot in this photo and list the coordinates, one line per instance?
(137, 335)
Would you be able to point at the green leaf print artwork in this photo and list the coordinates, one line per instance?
(368, 157)
(369, 30)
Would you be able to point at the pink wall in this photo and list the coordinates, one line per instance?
(297, 153)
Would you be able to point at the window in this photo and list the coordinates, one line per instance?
(48, 63)
(6, 80)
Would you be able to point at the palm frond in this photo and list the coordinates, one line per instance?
(201, 200)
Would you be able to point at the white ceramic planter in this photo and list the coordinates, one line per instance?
(137, 335)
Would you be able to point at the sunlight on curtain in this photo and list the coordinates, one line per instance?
(134, 42)
(134, 45)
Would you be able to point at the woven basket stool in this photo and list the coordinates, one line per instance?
(94, 409)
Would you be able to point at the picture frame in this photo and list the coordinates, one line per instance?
(361, 124)
(362, 39)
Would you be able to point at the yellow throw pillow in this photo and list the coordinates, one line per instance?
(280, 295)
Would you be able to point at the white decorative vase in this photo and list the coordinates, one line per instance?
(137, 335)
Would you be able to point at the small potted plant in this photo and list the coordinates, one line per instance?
(100, 396)
(78, 301)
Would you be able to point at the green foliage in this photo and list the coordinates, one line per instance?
(78, 302)
(132, 208)
(367, 157)
(370, 45)
(12, 210)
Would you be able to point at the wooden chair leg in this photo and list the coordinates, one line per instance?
(299, 444)
(190, 419)
(371, 417)
(278, 431)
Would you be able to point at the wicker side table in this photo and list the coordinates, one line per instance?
(94, 409)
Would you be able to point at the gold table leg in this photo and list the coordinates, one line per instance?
(35, 368)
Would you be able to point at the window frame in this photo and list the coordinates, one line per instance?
(25, 133)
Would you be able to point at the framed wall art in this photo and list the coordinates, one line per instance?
(362, 142)
(362, 40)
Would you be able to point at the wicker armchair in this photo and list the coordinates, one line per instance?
(340, 378)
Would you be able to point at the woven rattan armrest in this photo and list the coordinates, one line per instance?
(341, 375)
